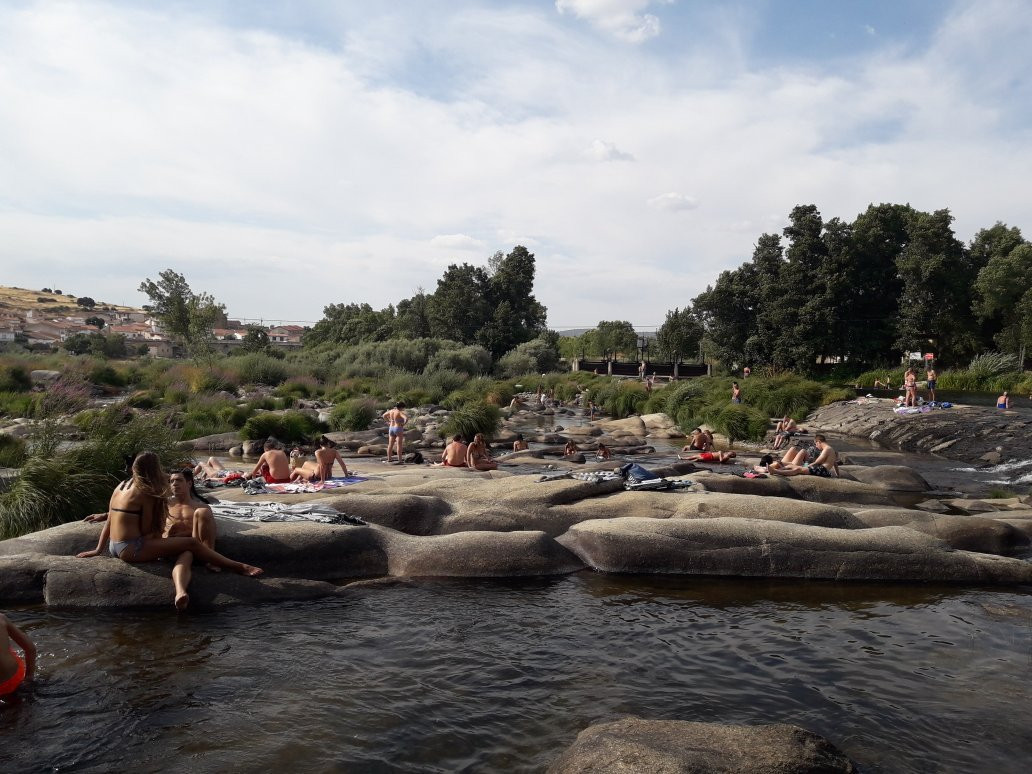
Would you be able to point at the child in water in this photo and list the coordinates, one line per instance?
(14, 669)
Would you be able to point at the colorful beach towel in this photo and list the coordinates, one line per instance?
(269, 511)
(300, 487)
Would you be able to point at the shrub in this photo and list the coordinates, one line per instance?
(472, 418)
(14, 378)
(739, 422)
(992, 364)
(836, 394)
(17, 404)
(299, 387)
(471, 360)
(289, 427)
(354, 414)
(12, 451)
(534, 356)
(143, 399)
(103, 373)
(259, 368)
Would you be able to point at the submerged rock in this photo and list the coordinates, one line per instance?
(634, 746)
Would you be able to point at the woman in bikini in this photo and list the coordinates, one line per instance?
(396, 419)
(136, 518)
(322, 469)
(478, 457)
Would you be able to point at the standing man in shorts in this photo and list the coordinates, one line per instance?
(931, 375)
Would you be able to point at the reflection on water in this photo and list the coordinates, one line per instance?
(491, 676)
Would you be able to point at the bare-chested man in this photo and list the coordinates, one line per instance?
(273, 465)
(454, 453)
(796, 461)
(322, 468)
(189, 515)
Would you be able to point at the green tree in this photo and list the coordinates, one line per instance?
(1003, 294)
(351, 324)
(96, 322)
(461, 305)
(78, 343)
(727, 311)
(86, 302)
(413, 320)
(184, 315)
(617, 337)
(937, 275)
(255, 340)
(679, 335)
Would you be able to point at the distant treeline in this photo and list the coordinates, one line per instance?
(894, 280)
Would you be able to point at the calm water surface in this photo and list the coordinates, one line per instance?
(500, 676)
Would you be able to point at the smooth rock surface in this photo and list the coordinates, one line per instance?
(637, 746)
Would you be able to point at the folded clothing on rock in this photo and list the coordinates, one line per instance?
(269, 511)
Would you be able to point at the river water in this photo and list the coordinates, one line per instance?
(448, 676)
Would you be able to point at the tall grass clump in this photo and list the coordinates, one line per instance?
(990, 365)
(289, 427)
(299, 387)
(57, 485)
(13, 451)
(739, 422)
(353, 414)
(472, 418)
(17, 404)
(259, 368)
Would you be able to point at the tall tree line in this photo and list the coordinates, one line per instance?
(493, 306)
(894, 280)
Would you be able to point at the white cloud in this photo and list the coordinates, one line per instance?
(457, 242)
(281, 175)
(673, 202)
(600, 150)
(870, 30)
(622, 18)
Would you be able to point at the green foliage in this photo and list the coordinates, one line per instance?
(679, 336)
(14, 377)
(255, 340)
(185, 315)
(13, 451)
(57, 485)
(836, 394)
(354, 414)
(472, 418)
(739, 422)
(538, 355)
(992, 364)
(259, 368)
(288, 427)
(299, 387)
(102, 373)
(471, 360)
(17, 404)
(497, 393)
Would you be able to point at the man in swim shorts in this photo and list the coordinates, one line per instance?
(273, 465)
(396, 419)
(14, 669)
(792, 464)
(931, 376)
(454, 453)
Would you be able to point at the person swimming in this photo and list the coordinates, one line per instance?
(15, 670)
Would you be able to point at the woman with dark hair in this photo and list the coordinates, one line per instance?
(136, 517)
(322, 469)
(478, 456)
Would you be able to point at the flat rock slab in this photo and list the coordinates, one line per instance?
(772, 549)
(967, 533)
(637, 746)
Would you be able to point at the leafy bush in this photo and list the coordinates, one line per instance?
(259, 368)
(836, 394)
(354, 414)
(12, 451)
(472, 418)
(143, 399)
(289, 427)
(14, 377)
(740, 422)
(534, 356)
(103, 373)
(470, 360)
(299, 387)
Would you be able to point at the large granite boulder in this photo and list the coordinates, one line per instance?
(217, 442)
(898, 478)
(773, 549)
(816, 488)
(621, 427)
(480, 555)
(635, 746)
(967, 533)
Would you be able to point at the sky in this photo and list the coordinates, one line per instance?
(288, 155)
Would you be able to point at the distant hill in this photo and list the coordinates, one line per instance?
(23, 299)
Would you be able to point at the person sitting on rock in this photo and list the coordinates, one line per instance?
(189, 515)
(454, 453)
(786, 428)
(520, 444)
(15, 670)
(602, 452)
(136, 518)
(478, 455)
(699, 441)
(797, 462)
(706, 456)
(273, 465)
(887, 384)
(570, 448)
(322, 468)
